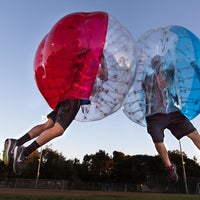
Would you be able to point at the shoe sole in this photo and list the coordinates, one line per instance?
(176, 173)
(15, 160)
(6, 159)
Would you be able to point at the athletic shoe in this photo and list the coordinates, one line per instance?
(8, 151)
(18, 159)
(172, 175)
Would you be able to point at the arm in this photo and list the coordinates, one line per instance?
(103, 70)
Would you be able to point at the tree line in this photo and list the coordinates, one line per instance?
(101, 167)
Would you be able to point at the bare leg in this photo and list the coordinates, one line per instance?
(49, 134)
(171, 167)
(161, 149)
(37, 130)
(195, 137)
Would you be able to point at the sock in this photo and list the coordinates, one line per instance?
(25, 138)
(31, 148)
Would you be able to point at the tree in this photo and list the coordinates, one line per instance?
(53, 165)
(99, 166)
(31, 166)
(122, 167)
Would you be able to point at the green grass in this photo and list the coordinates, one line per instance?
(17, 194)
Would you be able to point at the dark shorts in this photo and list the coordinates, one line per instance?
(176, 122)
(65, 112)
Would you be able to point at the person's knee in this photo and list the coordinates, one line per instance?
(60, 133)
(48, 124)
(193, 135)
(158, 144)
(58, 129)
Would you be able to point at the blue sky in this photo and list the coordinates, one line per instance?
(22, 26)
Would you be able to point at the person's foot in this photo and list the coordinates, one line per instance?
(172, 175)
(18, 159)
(8, 151)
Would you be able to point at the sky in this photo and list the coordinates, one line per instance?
(24, 23)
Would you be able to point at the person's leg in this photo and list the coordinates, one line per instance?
(21, 153)
(156, 125)
(11, 143)
(35, 132)
(181, 126)
(49, 134)
(195, 137)
(66, 113)
(43, 138)
(171, 167)
(162, 151)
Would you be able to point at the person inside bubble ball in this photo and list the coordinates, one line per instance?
(161, 113)
(57, 122)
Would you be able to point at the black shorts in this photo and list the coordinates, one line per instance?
(65, 112)
(176, 122)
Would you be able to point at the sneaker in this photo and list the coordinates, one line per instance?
(8, 151)
(172, 175)
(18, 159)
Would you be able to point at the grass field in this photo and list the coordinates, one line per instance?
(35, 194)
